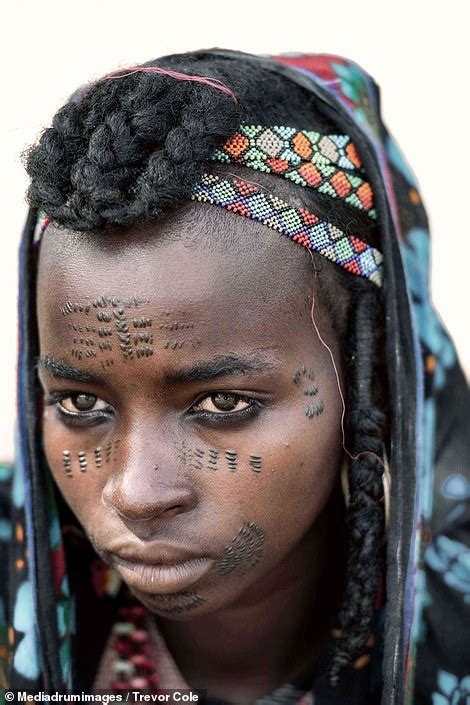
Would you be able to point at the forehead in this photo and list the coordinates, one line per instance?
(202, 288)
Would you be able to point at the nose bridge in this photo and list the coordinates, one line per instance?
(146, 479)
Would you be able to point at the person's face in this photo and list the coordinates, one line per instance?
(192, 416)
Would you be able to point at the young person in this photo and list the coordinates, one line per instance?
(242, 442)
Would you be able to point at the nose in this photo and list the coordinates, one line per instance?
(139, 491)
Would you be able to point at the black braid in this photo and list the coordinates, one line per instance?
(124, 150)
(365, 428)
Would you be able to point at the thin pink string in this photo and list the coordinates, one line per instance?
(338, 383)
(213, 82)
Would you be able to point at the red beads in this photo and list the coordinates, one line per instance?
(133, 665)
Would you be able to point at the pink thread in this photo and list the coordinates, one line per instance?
(213, 82)
(343, 403)
(44, 225)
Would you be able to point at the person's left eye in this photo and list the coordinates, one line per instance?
(223, 403)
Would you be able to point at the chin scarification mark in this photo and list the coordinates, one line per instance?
(98, 457)
(255, 463)
(82, 460)
(304, 378)
(231, 458)
(244, 552)
(176, 602)
(67, 462)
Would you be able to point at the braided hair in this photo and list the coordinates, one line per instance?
(130, 147)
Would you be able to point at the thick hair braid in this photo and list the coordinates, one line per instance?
(128, 148)
(365, 426)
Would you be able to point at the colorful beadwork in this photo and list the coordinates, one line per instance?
(329, 164)
(302, 226)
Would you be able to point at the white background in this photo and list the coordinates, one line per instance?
(417, 51)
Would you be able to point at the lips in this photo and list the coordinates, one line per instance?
(162, 577)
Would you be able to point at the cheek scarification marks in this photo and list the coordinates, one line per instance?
(98, 457)
(255, 463)
(67, 462)
(304, 379)
(244, 552)
(199, 459)
(213, 459)
(231, 457)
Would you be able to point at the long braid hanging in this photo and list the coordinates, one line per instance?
(365, 424)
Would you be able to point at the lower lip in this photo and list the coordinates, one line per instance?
(162, 578)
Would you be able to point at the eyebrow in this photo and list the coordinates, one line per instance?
(219, 366)
(62, 370)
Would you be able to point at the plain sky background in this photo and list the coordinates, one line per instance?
(416, 50)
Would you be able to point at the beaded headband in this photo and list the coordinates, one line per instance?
(329, 164)
(298, 224)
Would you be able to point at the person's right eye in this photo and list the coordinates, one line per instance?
(80, 408)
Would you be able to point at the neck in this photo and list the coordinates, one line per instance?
(289, 611)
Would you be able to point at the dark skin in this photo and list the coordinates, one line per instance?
(244, 339)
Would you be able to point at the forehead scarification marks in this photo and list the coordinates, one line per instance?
(113, 313)
(245, 550)
(123, 333)
(304, 378)
(143, 322)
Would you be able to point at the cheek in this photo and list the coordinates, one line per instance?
(286, 469)
(78, 463)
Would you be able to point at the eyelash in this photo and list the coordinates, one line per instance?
(255, 406)
(94, 418)
(79, 418)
